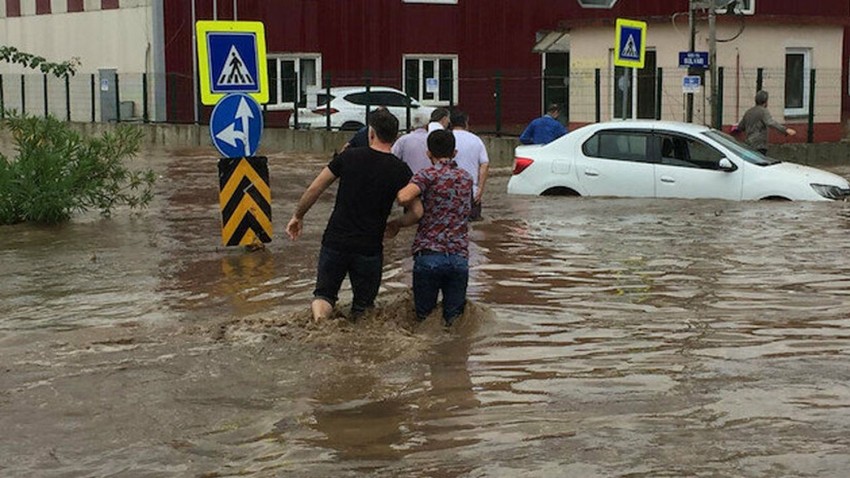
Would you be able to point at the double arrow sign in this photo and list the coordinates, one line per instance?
(231, 135)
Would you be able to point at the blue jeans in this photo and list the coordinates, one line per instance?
(434, 272)
(363, 271)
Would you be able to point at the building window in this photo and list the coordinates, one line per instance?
(283, 71)
(742, 7)
(797, 68)
(453, 2)
(431, 79)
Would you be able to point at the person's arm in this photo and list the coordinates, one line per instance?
(310, 196)
(768, 120)
(407, 194)
(483, 170)
(411, 216)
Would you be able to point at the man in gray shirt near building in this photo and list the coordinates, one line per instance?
(755, 122)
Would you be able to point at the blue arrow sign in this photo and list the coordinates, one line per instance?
(233, 62)
(236, 126)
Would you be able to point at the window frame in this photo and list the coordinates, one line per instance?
(807, 73)
(297, 58)
(419, 95)
(690, 162)
(749, 10)
(648, 136)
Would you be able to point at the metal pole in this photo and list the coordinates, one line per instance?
(145, 97)
(759, 79)
(498, 103)
(235, 16)
(597, 82)
(2, 100)
(297, 101)
(23, 94)
(44, 91)
(658, 90)
(328, 102)
(712, 60)
(368, 95)
(215, 11)
(811, 136)
(117, 101)
(67, 98)
(92, 99)
(194, 64)
(718, 116)
(689, 115)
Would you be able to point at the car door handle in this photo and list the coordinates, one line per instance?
(667, 179)
(591, 172)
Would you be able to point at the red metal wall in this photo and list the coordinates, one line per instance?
(489, 36)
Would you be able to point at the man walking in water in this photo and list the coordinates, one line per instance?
(472, 157)
(369, 180)
(440, 248)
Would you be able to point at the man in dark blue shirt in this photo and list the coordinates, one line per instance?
(545, 129)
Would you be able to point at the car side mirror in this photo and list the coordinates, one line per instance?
(726, 165)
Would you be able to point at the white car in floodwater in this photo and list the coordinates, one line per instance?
(662, 159)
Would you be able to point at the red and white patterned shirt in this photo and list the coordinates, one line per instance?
(447, 200)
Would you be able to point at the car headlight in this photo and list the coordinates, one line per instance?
(831, 191)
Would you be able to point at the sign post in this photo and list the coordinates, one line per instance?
(234, 78)
(629, 52)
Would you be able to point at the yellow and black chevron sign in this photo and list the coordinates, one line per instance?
(246, 200)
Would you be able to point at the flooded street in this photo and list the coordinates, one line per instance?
(608, 337)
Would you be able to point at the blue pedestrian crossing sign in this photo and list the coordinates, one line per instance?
(236, 126)
(232, 59)
(630, 43)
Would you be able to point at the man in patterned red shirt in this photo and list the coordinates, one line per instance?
(440, 248)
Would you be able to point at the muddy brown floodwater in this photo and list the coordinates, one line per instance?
(607, 337)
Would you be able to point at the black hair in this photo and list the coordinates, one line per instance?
(441, 144)
(439, 113)
(459, 118)
(385, 125)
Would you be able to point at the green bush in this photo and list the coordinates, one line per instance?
(59, 172)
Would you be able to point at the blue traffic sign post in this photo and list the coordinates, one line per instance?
(234, 78)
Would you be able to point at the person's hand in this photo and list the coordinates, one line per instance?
(790, 131)
(392, 229)
(293, 229)
(477, 197)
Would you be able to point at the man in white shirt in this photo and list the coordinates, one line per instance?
(412, 148)
(472, 157)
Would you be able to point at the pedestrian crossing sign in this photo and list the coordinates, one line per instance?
(630, 43)
(232, 59)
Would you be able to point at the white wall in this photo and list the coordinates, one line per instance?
(119, 38)
(759, 46)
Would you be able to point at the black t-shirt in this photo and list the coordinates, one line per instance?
(369, 181)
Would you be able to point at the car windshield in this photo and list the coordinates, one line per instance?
(740, 149)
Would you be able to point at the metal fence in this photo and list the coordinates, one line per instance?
(500, 99)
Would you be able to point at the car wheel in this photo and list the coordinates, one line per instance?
(351, 126)
(560, 191)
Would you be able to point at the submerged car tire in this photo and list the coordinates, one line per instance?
(560, 191)
(350, 126)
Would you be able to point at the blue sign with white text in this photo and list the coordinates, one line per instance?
(236, 126)
(233, 62)
(698, 59)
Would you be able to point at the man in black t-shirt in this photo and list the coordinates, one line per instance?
(369, 179)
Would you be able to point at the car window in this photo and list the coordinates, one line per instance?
(742, 150)
(688, 152)
(390, 99)
(360, 98)
(322, 99)
(621, 145)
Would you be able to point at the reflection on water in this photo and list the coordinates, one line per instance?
(626, 338)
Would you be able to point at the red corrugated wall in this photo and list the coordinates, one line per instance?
(489, 36)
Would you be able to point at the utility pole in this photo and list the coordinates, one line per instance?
(712, 64)
(693, 31)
